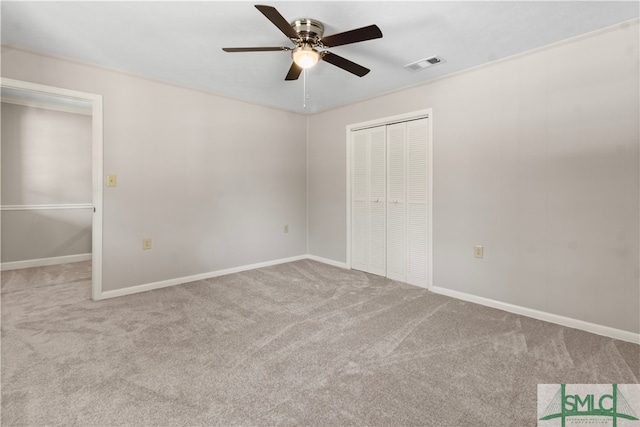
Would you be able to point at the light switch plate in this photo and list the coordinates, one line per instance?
(112, 180)
(478, 251)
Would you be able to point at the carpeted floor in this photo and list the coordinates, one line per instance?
(296, 344)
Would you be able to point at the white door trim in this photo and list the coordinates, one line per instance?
(428, 114)
(97, 166)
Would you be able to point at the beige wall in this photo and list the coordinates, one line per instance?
(536, 158)
(211, 180)
(46, 160)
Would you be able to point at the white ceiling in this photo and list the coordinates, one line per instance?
(181, 42)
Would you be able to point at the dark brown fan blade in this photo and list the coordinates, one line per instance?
(294, 72)
(353, 36)
(345, 64)
(274, 16)
(254, 49)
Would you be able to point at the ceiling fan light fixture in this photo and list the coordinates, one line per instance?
(305, 56)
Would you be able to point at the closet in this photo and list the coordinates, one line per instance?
(389, 200)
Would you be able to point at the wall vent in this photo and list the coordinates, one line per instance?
(424, 63)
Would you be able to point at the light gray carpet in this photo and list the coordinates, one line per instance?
(296, 344)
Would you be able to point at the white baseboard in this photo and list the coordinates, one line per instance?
(327, 261)
(542, 315)
(194, 278)
(524, 311)
(41, 262)
(188, 279)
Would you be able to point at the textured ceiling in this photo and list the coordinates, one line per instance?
(180, 42)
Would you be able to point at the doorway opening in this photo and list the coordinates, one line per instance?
(83, 112)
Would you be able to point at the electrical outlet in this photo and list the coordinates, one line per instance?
(286, 228)
(477, 251)
(112, 180)
(146, 243)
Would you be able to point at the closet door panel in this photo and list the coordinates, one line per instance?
(377, 210)
(417, 186)
(417, 244)
(377, 255)
(396, 243)
(396, 204)
(359, 202)
(359, 236)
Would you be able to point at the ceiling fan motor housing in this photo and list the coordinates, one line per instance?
(309, 30)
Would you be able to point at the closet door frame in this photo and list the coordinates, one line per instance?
(420, 114)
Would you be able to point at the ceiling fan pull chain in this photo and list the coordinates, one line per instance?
(304, 88)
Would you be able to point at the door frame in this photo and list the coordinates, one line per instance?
(413, 115)
(97, 167)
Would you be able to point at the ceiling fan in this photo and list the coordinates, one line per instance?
(307, 35)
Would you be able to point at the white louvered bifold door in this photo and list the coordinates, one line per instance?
(396, 202)
(417, 187)
(389, 196)
(377, 196)
(359, 201)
